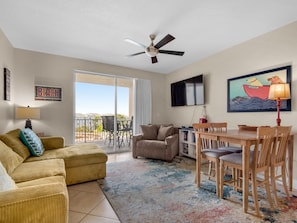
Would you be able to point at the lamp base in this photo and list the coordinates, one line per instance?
(28, 124)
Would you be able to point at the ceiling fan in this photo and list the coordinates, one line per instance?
(152, 50)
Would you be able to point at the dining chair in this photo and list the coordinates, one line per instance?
(221, 145)
(248, 127)
(222, 127)
(259, 163)
(209, 150)
(108, 128)
(278, 159)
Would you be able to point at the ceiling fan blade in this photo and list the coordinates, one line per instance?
(135, 54)
(154, 60)
(135, 43)
(177, 53)
(164, 41)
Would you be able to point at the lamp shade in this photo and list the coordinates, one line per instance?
(27, 113)
(279, 92)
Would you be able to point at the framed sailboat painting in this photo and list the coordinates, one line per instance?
(249, 93)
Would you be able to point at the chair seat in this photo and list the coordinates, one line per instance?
(232, 149)
(235, 158)
(214, 153)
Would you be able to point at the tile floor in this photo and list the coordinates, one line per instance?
(87, 203)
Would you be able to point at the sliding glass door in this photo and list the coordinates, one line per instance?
(103, 110)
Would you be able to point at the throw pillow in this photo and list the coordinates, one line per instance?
(10, 159)
(12, 139)
(6, 183)
(32, 141)
(165, 131)
(149, 131)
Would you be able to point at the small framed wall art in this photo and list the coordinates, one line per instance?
(6, 84)
(48, 93)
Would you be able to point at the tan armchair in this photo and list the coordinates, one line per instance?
(156, 142)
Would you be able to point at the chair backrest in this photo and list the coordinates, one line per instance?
(108, 123)
(248, 127)
(278, 154)
(263, 147)
(202, 127)
(218, 127)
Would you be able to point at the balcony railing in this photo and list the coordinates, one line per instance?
(91, 130)
(88, 130)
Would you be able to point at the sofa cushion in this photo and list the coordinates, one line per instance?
(165, 131)
(39, 169)
(32, 141)
(147, 144)
(6, 183)
(12, 139)
(9, 159)
(41, 181)
(75, 155)
(149, 131)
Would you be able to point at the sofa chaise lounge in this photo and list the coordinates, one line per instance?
(39, 190)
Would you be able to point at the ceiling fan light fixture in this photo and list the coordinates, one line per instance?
(151, 51)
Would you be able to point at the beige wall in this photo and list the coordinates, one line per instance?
(6, 60)
(29, 68)
(268, 51)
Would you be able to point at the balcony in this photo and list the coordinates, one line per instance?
(90, 130)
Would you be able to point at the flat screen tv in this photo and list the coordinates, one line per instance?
(188, 92)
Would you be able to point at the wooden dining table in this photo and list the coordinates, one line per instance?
(245, 139)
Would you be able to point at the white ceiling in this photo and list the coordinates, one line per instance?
(95, 29)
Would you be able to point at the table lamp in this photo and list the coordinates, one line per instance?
(27, 113)
(279, 92)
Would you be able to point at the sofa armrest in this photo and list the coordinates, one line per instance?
(53, 142)
(170, 140)
(135, 139)
(38, 203)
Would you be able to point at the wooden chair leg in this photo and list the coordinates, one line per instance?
(222, 174)
(209, 169)
(273, 183)
(284, 179)
(255, 193)
(217, 168)
(267, 186)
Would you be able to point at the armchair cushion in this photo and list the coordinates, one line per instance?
(149, 131)
(165, 131)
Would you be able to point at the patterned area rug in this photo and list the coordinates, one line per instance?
(147, 191)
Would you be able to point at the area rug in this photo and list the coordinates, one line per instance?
(145, 191)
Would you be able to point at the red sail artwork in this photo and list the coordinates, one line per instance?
(257, 91)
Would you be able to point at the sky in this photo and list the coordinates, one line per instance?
(95, 98)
